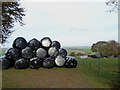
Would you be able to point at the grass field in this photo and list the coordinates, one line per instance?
(81, 77)
(90, 73)
(102, 70)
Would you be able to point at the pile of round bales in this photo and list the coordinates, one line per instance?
(35, 54)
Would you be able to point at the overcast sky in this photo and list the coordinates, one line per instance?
(71, 23)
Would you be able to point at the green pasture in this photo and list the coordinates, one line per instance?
(102, 70)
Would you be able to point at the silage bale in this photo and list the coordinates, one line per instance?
(20, 43)
(56, 44)
(53, 52)
(4, 63)
(27, 53)
(12, 54)
(41, 53)
(35, 63)
(21, 63)
(48, 63)
(60, 61)
(71, 62)
(46, 42)
(34, 44)
(63, 52)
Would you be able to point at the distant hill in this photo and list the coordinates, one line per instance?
(82, 49)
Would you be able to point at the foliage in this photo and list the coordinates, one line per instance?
(114, 4)
(11, 12)
(72, 54)
(109, 48)
(79, 53)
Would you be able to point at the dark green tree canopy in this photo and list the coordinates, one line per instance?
(11, 12)
(110, 48)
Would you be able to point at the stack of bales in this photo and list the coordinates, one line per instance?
(35, 54)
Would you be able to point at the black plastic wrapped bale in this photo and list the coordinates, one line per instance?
(20, 43)
(70, 62)
(63, 52)
(35, 63)
(53, 52)
(60, 61)
(4, 63)
(34, 44)
(41, 53)
(56, 44)
(21, 63)
(46, 42)
(48, 63)
(12, 54)
(34, 53)
(27, 53)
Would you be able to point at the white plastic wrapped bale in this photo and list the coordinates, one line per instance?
(34, 44)
(4, 63)
(53, 52)
(70, 62)
(46, 42)
(41, 53)
(27, 53)
(48, 63)
(21, 63)
(35, 63)
(20, 43)
(60, 61)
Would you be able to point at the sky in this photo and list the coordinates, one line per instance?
(71, 23)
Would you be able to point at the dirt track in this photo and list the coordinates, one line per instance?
(44, 78)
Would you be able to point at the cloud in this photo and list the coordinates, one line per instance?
(78, 28)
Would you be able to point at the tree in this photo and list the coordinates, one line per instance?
(11, 13)
(119, 49)
(99, 46)
(113, 48)
(114, 4)
(109, 48)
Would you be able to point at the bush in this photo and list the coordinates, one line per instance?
(72, 54)
(80, 54)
